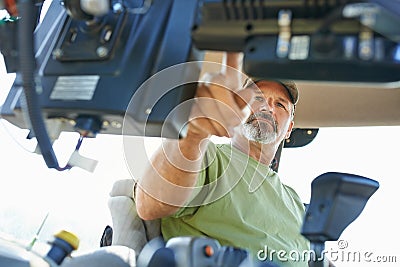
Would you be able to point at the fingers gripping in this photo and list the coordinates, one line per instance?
(220, 102)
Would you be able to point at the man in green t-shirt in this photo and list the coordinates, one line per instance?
(229, 192)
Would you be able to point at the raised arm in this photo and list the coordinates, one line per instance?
(173, 169)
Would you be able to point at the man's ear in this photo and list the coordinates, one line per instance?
(289, 131)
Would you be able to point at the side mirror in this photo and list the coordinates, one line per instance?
(337, 199)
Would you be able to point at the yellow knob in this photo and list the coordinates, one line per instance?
(68, 237)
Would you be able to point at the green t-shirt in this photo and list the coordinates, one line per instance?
(242, 203)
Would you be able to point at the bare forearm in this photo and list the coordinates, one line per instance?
(167, 183)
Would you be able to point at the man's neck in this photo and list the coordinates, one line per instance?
(263, 153)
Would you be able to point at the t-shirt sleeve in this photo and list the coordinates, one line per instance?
(296, 198)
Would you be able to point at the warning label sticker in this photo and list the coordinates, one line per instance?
(75, 87)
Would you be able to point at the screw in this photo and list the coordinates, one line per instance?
(117, 8)
(116, 124)
(102, 51)
(57, 53)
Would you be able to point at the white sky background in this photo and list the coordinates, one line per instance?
(76, 200)
(367, 151)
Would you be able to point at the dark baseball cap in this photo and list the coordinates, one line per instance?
(289, 85)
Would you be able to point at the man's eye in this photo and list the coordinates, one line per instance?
(281, 105)
(259, 99)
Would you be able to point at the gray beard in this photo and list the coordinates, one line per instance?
(260, 131)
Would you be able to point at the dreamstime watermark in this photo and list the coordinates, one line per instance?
(340, 254)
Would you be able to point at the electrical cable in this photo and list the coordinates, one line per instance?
(334, 16)
(27, 69)
(77, 147)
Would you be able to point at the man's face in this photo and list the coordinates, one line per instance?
(271, 120)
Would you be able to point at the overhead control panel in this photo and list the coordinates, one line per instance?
(342, 41)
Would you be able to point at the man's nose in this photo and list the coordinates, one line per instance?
(266, 106)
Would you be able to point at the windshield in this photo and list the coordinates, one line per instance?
(372, 238)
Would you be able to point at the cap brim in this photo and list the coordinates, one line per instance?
(290, 87)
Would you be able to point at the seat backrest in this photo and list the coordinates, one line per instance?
(128, 228)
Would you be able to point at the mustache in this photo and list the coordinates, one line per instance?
(262, 115)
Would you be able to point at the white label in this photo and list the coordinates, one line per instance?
(299, 47)
(75, 87)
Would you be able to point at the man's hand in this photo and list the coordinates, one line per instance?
(220, 104)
